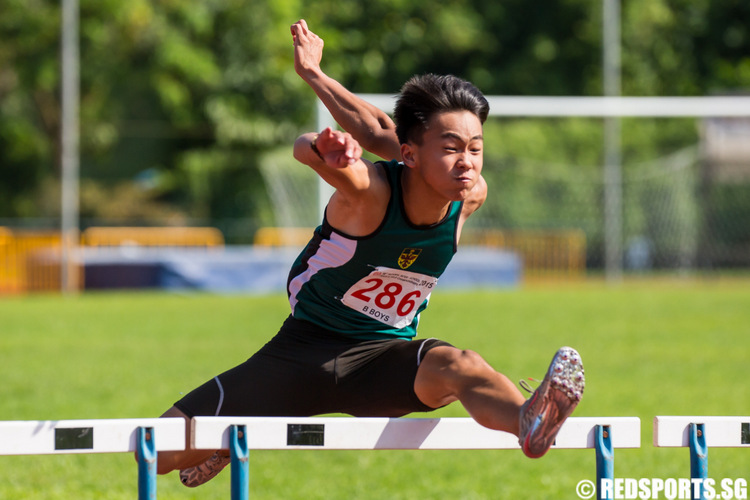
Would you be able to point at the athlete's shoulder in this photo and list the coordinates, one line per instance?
(476, 197)
(361, 212)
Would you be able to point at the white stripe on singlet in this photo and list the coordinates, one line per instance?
(333, 252)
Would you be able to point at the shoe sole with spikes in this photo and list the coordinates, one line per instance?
(200, 474)
(554, 400)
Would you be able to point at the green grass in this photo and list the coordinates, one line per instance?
(664, 347)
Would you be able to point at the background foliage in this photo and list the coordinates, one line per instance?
(183, 100)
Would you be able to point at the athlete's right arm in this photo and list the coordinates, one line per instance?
(369, 125)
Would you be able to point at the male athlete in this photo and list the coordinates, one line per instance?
(359, 286)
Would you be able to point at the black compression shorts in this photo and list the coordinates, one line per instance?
(306, 370)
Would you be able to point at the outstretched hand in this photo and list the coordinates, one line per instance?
(338, 149)
(308, 48)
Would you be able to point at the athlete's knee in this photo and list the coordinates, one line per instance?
(461, 363)
(446, 372)
(471, 365)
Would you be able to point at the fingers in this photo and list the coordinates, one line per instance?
(308, 49)
(299, 29)
(296, 30)
(347, 149)
(356, 154)
(300, 25)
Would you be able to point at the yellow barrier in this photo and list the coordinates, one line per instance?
(6, 270)
(152, 237)
(282, 236)
(29, 261)
(545, 254)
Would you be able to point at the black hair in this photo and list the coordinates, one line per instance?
(425, 95)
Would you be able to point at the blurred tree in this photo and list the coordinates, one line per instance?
(181, 98)
(188, 92)
(510, 48)
(28, 105)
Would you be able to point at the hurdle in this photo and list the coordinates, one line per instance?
(144, 436)
(241, 434)
(698, 434)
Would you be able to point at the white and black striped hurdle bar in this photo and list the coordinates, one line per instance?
(144, 436)
(700, 433)
(241, 434)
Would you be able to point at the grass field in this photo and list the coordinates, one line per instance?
(665, 347)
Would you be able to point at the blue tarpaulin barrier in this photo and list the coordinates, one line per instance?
(245, 269)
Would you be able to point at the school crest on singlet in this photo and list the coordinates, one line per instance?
(408, 256)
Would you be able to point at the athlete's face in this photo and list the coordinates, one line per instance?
(450, 155)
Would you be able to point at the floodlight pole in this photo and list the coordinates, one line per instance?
(613, 232)
(70, 136)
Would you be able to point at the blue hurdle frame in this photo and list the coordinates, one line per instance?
(240, 455)
(605, 457)
(698, 433)
(147, 456)
(698, 458)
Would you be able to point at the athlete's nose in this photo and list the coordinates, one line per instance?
(465, 161)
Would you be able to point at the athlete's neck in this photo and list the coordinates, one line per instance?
(422, 205)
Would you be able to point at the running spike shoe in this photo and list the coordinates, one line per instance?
(554, 400)
(195, 476)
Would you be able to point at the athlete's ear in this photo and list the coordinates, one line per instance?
(407, 155)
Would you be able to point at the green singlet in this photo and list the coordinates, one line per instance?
(374, 286)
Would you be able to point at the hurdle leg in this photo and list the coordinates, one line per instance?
(238, 450)
(146, 463)
(605, 457)
(698, 458)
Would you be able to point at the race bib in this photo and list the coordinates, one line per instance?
(391, 296)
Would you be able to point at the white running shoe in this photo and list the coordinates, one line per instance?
(195, 476)
(554, 400)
